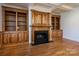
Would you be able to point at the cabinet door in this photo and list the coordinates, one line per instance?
(6, 39)
(0, 39)
(14, 38)
(36, 18)
(10, 38)
(22, 22)
(40, 18)
(45, 19)
(23, 36)
(57, 23)
(57, 35)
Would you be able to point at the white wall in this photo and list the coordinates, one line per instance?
(70, 24)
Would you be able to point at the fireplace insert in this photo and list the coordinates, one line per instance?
(40, 37)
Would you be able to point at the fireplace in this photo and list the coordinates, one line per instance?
(40, 37)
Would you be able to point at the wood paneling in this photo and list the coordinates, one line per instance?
(40, 21)
(14, 19)
(57, 35)
(40, 18)
(55, 22)
(14, 27)
(23, 36)
(9, 38)
(0, 39)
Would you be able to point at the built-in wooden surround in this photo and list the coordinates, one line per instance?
(14, 24)
(40, 22)
(44, 21)
(18, 33)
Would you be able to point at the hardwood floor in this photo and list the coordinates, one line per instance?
(64, 48)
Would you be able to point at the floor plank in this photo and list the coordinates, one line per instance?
(64, 48)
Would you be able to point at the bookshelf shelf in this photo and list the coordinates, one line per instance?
(55, 22)
(15, 21)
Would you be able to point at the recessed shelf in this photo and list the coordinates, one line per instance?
(14, 19)
(55, 22)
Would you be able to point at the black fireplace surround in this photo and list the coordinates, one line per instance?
(40, 37)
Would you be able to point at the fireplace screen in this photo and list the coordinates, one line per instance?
(40, 37)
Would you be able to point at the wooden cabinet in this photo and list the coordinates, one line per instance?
(10, 21)
(22, 36)
(40, 22)
(14, 20)
(14, 26)
(8, 38)
(57, 35)
(55, 22)
(1, 37)
(22, 21)
(40, 18)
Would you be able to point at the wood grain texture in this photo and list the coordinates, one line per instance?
(10, 38)
(64, 48)
(1, 39)
(40, 18)
(41, 21)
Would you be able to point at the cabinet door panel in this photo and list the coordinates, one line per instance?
(0, 39)
(5, 40)
(57, 35)
(20, 37)
(14, 38)
(45, 19)
(40, 18)
(25, 36)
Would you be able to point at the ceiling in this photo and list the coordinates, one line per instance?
(48, 7)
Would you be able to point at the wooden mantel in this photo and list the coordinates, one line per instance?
(40, 26)
(42, 22)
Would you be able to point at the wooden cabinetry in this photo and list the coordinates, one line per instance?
(14, 26)
(10, 21)
(1, 37)
(40, 22)
(55, 22)
(15, 20)
(57, 35)
(14, 37)
(22, 22)
(40, 18)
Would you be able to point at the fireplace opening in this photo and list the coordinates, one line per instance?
(40, 37)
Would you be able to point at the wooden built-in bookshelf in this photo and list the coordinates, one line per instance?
(15, 21)
(15, 27)
(55, 22)
(46, 21)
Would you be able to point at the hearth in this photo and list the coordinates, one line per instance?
(40, 37)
